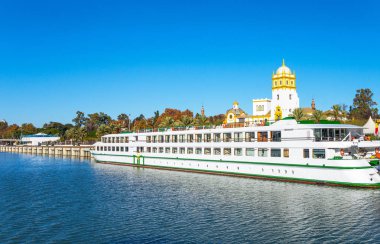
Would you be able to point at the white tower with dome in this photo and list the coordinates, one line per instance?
(284, 94)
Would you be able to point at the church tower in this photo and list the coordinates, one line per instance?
(284, 95)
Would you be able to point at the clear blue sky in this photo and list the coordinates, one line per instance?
(57, 57)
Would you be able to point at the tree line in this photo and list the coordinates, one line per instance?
(91, 127)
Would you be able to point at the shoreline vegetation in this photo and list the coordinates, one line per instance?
(90, 127)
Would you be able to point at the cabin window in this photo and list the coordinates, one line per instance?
(190, 138)
(117, 149)
(113, 149)
(174, 150)
(262, 136)
(286, 152)
(103, 140)
(317, 134)
(109, 148)
(154, 139)
(121, 139)
(190, 150)
(97, 148)
(113, 139)
(161, 150)
(319, 153)
(249, 136)
(136, 138)
(217, 151)
(238, 136)
(167, 150)
(276, 135)
(154, 149)
(105, 149)
(101, 148)
(117, 140)
(275, 152)
(167, 138)
(306, 153)
(227, 137)
(250, 152)
(198, 137)
(227, 151)
(160, 139)
(207, 137)
(149, 149)
(182, 150)
(174, 138)
(262, 152)
(126, 149)
(217, 137)
(109, 139)
(127, 140)
(198, 150)
(238, 152)
(181, 138)
(207, 151)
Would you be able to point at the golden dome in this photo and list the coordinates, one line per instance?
(283, 69)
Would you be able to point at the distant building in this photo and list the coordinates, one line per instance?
(38, 139)
(284, 101)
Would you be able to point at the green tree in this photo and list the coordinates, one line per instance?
(76, 134)
(363, 105)
(28, 128)
(298, 114)
(103, 130)
(317, 116)
(123, 119)
(202, 120)
(336, 112)
(167, 122)
(80, 119)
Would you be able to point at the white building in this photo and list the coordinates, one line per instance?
(38, 139)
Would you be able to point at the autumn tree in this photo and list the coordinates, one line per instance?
(363, 105)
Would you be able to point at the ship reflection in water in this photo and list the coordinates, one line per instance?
(66, 200)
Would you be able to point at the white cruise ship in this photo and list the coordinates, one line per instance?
(333, 154)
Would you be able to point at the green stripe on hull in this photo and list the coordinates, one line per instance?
(267, 177)
(242, 162)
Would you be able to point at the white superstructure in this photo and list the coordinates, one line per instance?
(285, 150)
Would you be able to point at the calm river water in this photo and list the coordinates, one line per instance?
(51, 200)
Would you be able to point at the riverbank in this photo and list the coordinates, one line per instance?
(60, 150)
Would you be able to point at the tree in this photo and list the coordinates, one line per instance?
(80, 119)
(187, 120)
(103, 130)
(28, 128)
(167, 122)
(363, 105)
(202, 120)
(76, 134)
(317, 116)
(298, 114)
(124, 120)
(336, 112)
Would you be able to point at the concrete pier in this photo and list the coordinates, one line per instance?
(58, 150)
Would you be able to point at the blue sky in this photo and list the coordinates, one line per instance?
(57, 57)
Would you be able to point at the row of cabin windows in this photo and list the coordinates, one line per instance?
(122, 139)
(337, 134)
(261, 152)
(263, 136)
(112, 149)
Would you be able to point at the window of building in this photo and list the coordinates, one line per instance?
(286, 152)
(275, 152)
(319, 153)
(290, 96)
(207, 151)
(250, 152)
(207, 137)
(190, 138)
(217, 151)
(276, 135)
(306, 153)
(167, 150)
(198, 150)
(262, 136)
(190, 150)
(262, 152)
(174, 150)
(198, 137)
(238, 152)
(181, 138)
(217, 137)
(238, 136)
(182, 150)
(249, 136)
(161, 139)
(174, 138)
(278, 97)
(227, 151)
(167, 138)
(287, 82)
(227, 137)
